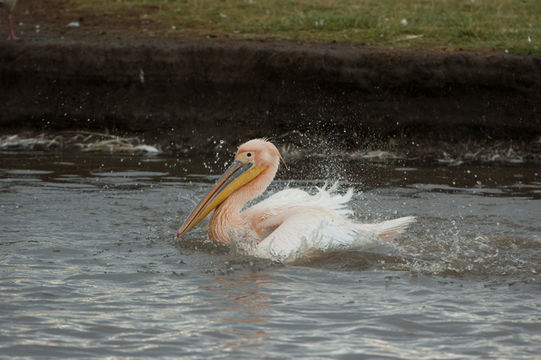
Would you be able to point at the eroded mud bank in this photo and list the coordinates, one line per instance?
(191, 92)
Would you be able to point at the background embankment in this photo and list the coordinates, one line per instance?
(191, 90)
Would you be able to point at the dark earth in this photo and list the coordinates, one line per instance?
(124, 76)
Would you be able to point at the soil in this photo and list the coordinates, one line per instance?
(126, 76)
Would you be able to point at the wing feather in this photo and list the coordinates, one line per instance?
(305, 230)
(292, 224)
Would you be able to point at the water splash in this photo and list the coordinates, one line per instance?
(449, 253)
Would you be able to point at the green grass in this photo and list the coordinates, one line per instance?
(512, 25)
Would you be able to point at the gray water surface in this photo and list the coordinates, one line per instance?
(90, 266)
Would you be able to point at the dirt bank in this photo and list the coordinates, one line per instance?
(185, 91)
(241, 89)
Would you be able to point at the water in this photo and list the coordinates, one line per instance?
(90, 266)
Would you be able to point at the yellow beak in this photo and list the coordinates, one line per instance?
(235, 176)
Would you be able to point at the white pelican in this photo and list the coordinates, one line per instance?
(9, 5)
(287, 225)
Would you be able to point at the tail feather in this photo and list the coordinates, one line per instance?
(390, 229)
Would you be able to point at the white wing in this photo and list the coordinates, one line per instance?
(294, 224)
(305, 230)
(290, 198)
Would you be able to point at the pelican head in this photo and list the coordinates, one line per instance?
(252, 170)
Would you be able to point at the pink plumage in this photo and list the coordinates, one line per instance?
(288, 225)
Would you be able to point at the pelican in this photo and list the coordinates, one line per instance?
(288, 225)
(9, 5)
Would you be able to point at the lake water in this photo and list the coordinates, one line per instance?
(90, 266)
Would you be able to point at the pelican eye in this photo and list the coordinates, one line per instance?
(249, 154)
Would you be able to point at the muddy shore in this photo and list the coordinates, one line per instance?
(187, 92)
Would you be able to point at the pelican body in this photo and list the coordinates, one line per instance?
(288, 225)
(9, 5)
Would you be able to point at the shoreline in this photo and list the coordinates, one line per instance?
(293, 147)
(186, 93)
